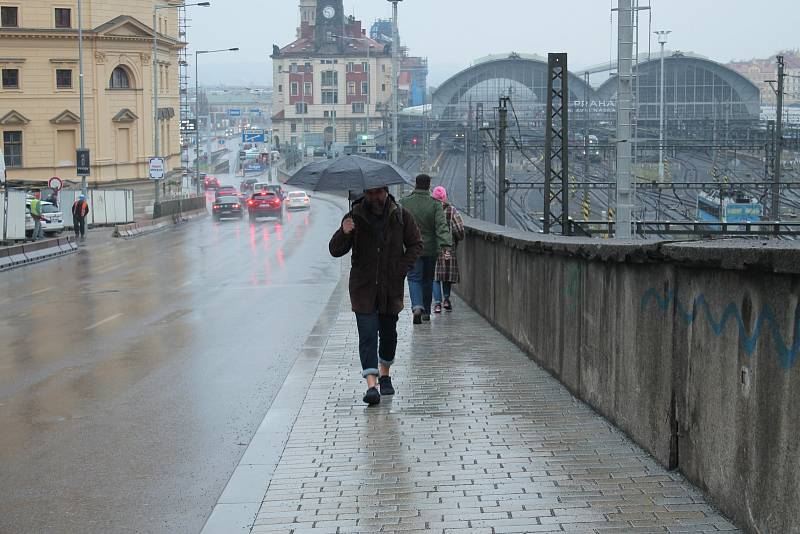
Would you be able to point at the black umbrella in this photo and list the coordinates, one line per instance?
(348, 173)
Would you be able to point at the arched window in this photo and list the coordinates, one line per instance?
(120, 79)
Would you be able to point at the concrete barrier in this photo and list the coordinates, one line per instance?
(178, 206)
(27, 253)
(691, 349)
(129, 231)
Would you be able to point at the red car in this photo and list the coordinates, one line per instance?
(226, 191)
(265, 204)
(211, 182)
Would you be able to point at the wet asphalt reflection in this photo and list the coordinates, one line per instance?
(133, 374)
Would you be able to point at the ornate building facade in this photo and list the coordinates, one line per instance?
(39, 90)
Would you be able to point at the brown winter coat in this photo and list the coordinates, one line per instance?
(379, 266)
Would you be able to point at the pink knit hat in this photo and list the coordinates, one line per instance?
(439, 193)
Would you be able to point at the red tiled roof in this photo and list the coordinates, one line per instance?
(279, 116)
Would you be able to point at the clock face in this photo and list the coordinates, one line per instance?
(328, 12)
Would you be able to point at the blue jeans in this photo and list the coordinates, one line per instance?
(420, 283)
(441, 289)
(377, 341)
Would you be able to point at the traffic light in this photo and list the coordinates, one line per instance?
(414, 141)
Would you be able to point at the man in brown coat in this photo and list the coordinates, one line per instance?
(385, 242)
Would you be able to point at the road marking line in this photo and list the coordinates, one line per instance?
(185, 284)
(104, 321)
(109, 269)
(39, 292)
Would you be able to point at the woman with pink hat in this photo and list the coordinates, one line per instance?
(447, 272)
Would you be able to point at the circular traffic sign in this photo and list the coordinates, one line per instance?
(55, 183)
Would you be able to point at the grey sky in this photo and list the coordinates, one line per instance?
(452, 33)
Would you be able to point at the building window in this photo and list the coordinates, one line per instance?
(293, 68)
(383, 87)
(301, 108)
(307, 89)
(383, 67)
(10, 78)
(351, 88)
(293, 127)
(330, 78)
(9, 17)
(280, 88)
(364, 88)
(307, 127)
(63, 17)
(358, 107)
(330, 97)
(64, 78)
(295, 89)
(280, 68)
(364, 67)
(12, 148)
(119, 79)
(351, 66)
(307, 68)
(293, 140)
(329, 114)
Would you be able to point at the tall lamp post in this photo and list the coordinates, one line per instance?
(368, 73)
(156, 33)
(84, 185)
(662, 40)
(197, 53)
(395, 79)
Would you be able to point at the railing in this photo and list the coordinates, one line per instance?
(691, 228)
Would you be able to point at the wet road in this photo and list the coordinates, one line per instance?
(133, 375)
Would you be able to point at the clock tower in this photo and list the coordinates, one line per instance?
(329, 23)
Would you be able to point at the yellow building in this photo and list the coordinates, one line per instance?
(39, 89)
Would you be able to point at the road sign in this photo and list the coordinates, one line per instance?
(235, 112)
(157, 168)
(254, 136)
(55, 183)
(84, 164)
(221, 141)
(189, 126)
(255, 111)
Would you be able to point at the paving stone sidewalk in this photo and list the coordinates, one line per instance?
(478, 439)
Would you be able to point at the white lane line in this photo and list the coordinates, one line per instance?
(109, 269)
(39, 292)
(185, 284)
(104, 321)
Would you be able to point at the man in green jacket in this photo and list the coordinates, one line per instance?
(436, 240)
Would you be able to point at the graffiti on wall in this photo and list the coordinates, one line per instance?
(765, 323)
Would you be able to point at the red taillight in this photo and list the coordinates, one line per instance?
(250, 202)
(216, 207)
(275, 202)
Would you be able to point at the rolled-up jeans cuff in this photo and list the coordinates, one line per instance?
(367, 372)
(387, 363)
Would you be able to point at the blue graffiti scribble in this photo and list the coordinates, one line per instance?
(787, 354)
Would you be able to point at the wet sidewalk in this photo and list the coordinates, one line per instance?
(478, 439)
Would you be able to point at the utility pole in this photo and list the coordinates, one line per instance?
(467, 135)
(624, 115)
(84, 185)
(395, 80)
(501, 174)
(776, 174)
(662, 40)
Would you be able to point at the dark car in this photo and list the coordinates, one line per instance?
(226, 191)
(211, 182)
(227, 207)
(248, 183)
(265, 204)
(275, 188)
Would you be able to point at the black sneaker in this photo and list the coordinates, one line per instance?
(386, 385)
(417, 316)
(372, 397)
(426, 316)
(448, 306)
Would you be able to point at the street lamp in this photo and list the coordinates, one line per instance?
(396, 78)
(197, 111)
(156, 8)
(662, 40)
(84, 185)
(369, 74)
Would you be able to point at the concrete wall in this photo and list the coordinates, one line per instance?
(690, 349)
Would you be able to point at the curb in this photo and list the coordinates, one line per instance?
(35, 252)
(237, 508)
(134, 230)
